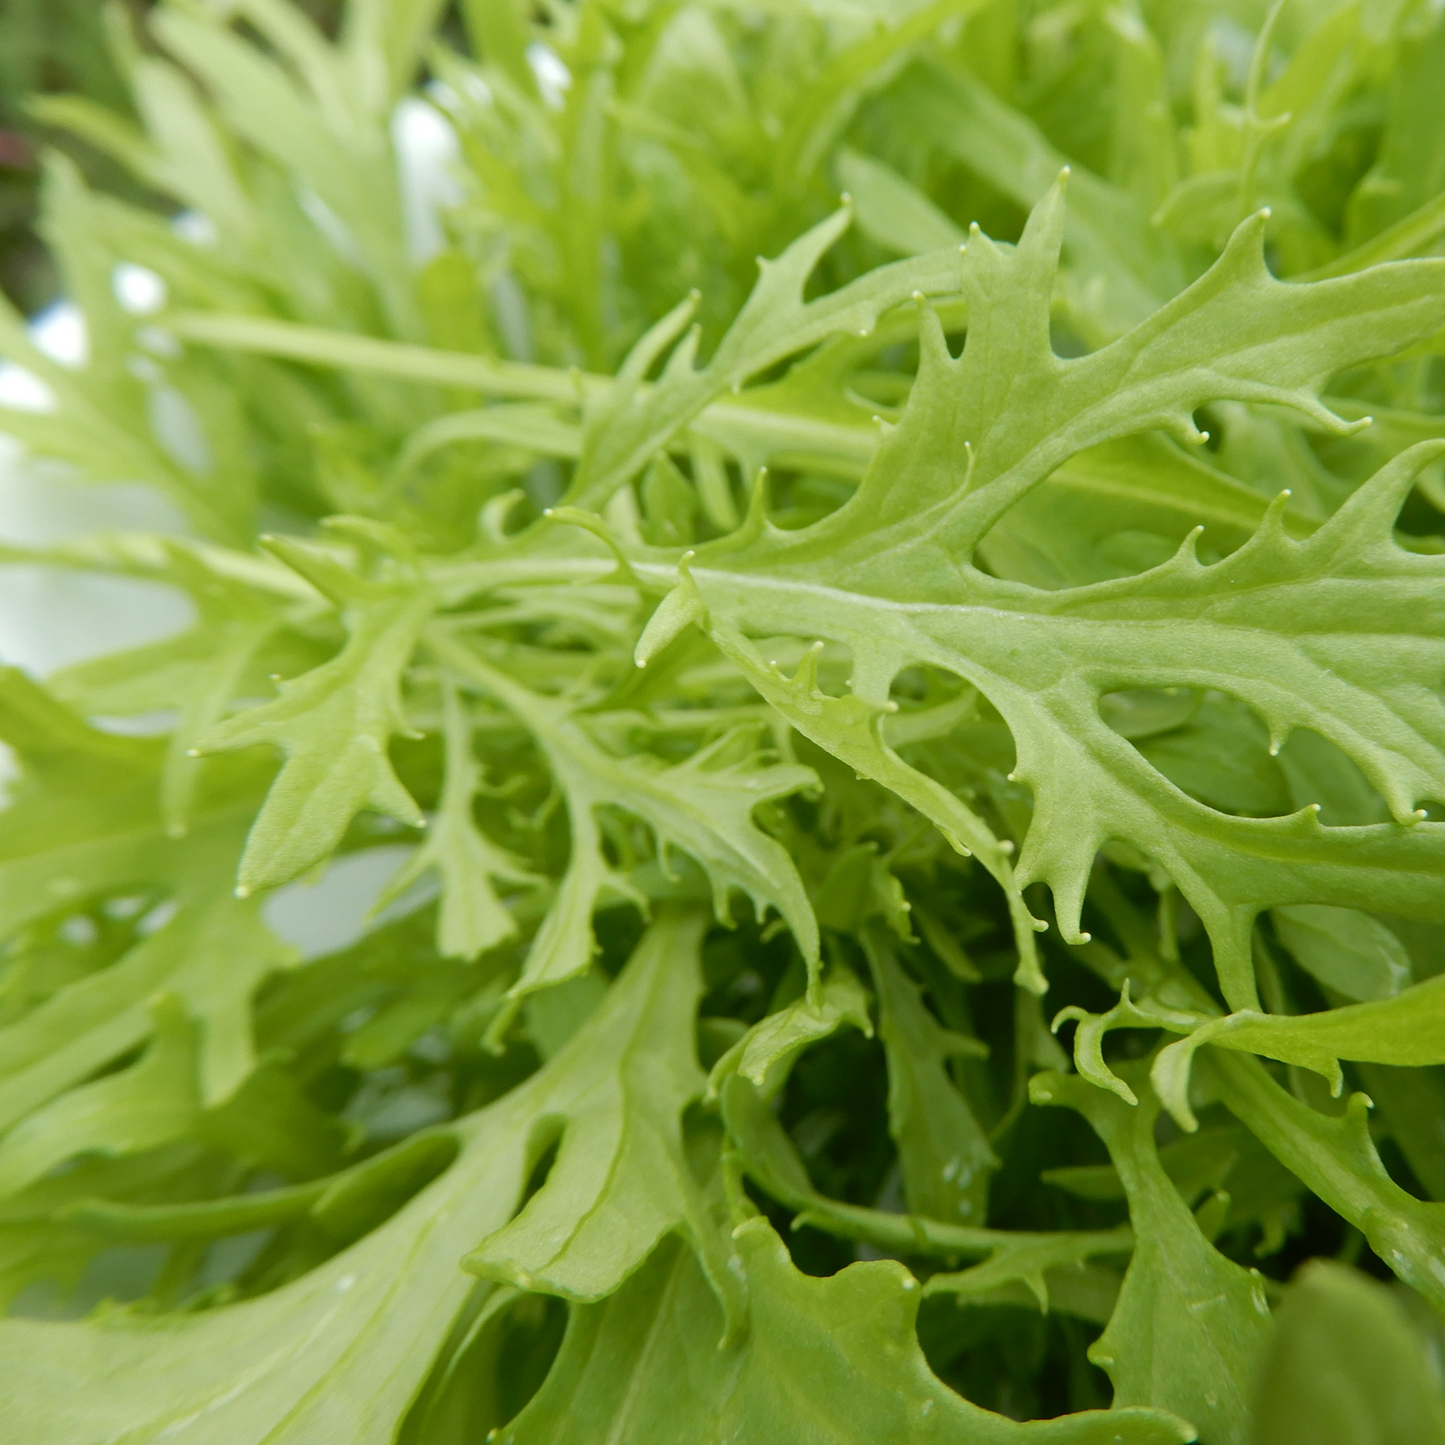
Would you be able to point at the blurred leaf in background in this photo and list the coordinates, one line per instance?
(51, 47)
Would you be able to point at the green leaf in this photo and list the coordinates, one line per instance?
(1190, 1323)
(324, 138)
(1408, 1029)
(1117, 507)
(210, 955)
(766, 1154)
(472, 918)
(1349, 951)
(192, 163)
(207, 665)
(836, 1354)
(334, 725)
(621, 1180)
(766, 1053)
(943, 1150)
(1411, 1104)
(893, 562)
(703, 806)
(1335, 1157)
(628, 424)
(849, 728)
(1126, 267)
(534, 427)
(1345, 1364)
(344, 1347)
(876, 593)
(83, 821)
(892, 212)
(302, 1350)
(148, 1104)
(1221, 1160)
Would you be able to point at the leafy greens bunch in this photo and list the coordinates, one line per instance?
(780, 691)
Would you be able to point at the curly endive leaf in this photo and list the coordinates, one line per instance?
(983, 430)
(627, 423)
(942, 1149)
(328, 134)
(1149, 1013)
(1276, 624)
(333, 724)
(702, 806)
(1220, 1159)
(1272, 625)
(978, 522)
(83, 821)
(1190, 1323)
(1123, 267)
(620, 1180)
(762, 1150)
(211, 955)
(102, 429)
(205, 665)
(151, 1103)
(1334, 1156)
(849, 728)
(1407, 1031)
(340, 1352)
(1040, 1272)
(1345, 949)
(766, 1053)
(472, 918)
(833, 1359)
(82, 816)
(339, 1201)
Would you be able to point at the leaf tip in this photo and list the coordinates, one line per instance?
(1072, 1014)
